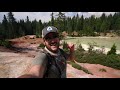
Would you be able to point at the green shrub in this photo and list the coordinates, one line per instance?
(41, 45)
(91, 46)
(113, 50)
(113, 61)
(118, 32)
(61, 37)
(80, 48)
(38, 35)
(102, 70)
(79, 52)
(65, 47)
(95, 58)
(77, 66)
(90, 49)
(5, 43)
(78, 55)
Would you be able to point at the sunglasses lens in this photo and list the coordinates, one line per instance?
(51, 37)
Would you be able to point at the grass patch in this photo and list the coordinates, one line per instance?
(102, 70)
(77, 66)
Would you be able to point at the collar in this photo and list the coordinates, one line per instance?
(54, 54)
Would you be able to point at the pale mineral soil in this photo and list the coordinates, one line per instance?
(96, 69)
(14, 63)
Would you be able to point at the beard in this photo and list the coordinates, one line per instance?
(54, 46)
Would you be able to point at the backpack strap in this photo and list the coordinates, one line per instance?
(50, 61)
(63, 53)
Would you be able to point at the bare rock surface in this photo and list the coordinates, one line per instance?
(15, 62)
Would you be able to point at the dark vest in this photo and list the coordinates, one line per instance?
(56, 65)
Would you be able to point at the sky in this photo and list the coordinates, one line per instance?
(45, 16)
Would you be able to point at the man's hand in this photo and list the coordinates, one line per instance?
(70, 46)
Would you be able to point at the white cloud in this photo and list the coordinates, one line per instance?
(97, 14)
(2, 15)
(45, 16)
(71, 14)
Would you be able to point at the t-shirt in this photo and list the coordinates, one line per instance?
(57, 69)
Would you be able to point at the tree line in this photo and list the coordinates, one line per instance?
(11, 28)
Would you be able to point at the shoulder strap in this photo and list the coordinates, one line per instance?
(51, 60)
(49, 57)
(63, 53)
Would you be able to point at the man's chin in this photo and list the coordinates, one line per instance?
(54, 49)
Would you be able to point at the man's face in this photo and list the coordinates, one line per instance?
(52, 41)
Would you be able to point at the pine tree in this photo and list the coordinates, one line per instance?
(20, 31)
(22, 26)
(52, 19)
(60, 21)
(28, 27)
(12, 25)
(5, 29)
(113, 50)
(82, 23)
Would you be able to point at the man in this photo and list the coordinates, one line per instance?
(51, 61)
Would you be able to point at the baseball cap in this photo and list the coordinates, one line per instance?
(49, 29)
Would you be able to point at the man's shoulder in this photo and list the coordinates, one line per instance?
(40, 57)
(41, 54)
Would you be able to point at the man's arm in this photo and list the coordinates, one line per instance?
(71, 54)
(38, 67)
(36, 71)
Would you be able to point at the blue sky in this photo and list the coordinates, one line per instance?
(45, 16)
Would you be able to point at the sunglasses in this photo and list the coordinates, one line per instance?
(51, 36)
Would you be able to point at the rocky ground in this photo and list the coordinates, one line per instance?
(15, 62)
